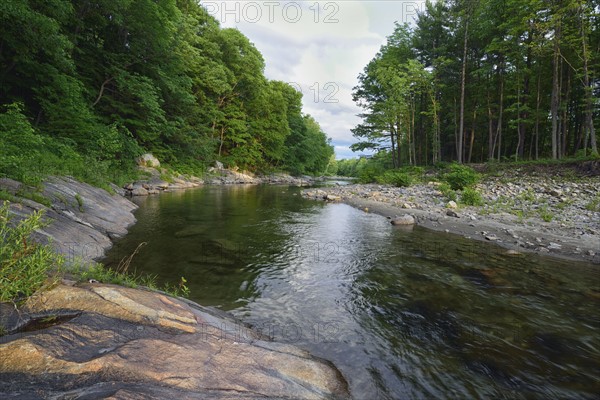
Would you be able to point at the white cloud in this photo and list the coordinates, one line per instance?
(321, 49)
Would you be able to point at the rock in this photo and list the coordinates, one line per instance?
(148, 160)
(406, 206)
(126, 343)
(403, 220)
(73, 233)
(451, 213)
(554, 246)
(139, 191)
(331, 197)
(491, 238)
(451, 204)
(219, 165)
(158, 183)
(555, 192)
(191, 230)
(117, 190)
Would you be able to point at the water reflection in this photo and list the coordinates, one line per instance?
(403, 313)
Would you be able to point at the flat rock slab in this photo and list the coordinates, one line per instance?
(125, 343)
(83, 219)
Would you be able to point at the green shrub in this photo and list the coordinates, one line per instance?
(593, 205)
(460, 176)
(546, 214)
(24, 265)
(471, 197)
(396, 178)
(368, 175)
(447, 192)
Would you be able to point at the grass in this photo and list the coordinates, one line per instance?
(123, 277)
(593, 205)
(79, 200)
(34, 195)
(25, 266)
(449, 193)
(545, 214)
(6, 196)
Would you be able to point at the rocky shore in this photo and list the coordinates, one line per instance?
(535, 213)
(158, 180)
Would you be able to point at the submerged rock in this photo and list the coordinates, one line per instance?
(127, 343)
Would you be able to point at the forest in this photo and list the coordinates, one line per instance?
(484, 80)
(86, 86)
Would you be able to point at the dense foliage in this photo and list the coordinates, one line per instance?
(483, 80)
(95, 83)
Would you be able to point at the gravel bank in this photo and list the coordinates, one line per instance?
(541, 214)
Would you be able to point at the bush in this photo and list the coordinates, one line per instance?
(471, 197)
(24, 265)
(460, 176)
(447, 192)
(369, 174)
(396, 178)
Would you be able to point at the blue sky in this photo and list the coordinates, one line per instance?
(320, 47)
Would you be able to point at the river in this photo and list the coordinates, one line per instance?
(404, 313)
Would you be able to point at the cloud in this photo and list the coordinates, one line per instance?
(321, 47)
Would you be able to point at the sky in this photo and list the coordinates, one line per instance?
(319, 47)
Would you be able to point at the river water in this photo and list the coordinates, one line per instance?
(403, 313)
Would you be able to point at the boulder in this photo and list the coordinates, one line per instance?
(140, 191)
(451, 204)
(148, 160)
(127, 343)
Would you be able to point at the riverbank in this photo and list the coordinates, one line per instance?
(521, 212)
(156, 180)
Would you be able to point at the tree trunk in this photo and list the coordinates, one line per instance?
(463, 80)
(394, 162)
(414, 137)
(498, 138)
(537, 115)
(589, 129)
(524, 115)
(554, 105)
(398, 143)
(564, 120)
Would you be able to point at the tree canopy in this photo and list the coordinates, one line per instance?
(107, 80)
(475, 81)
